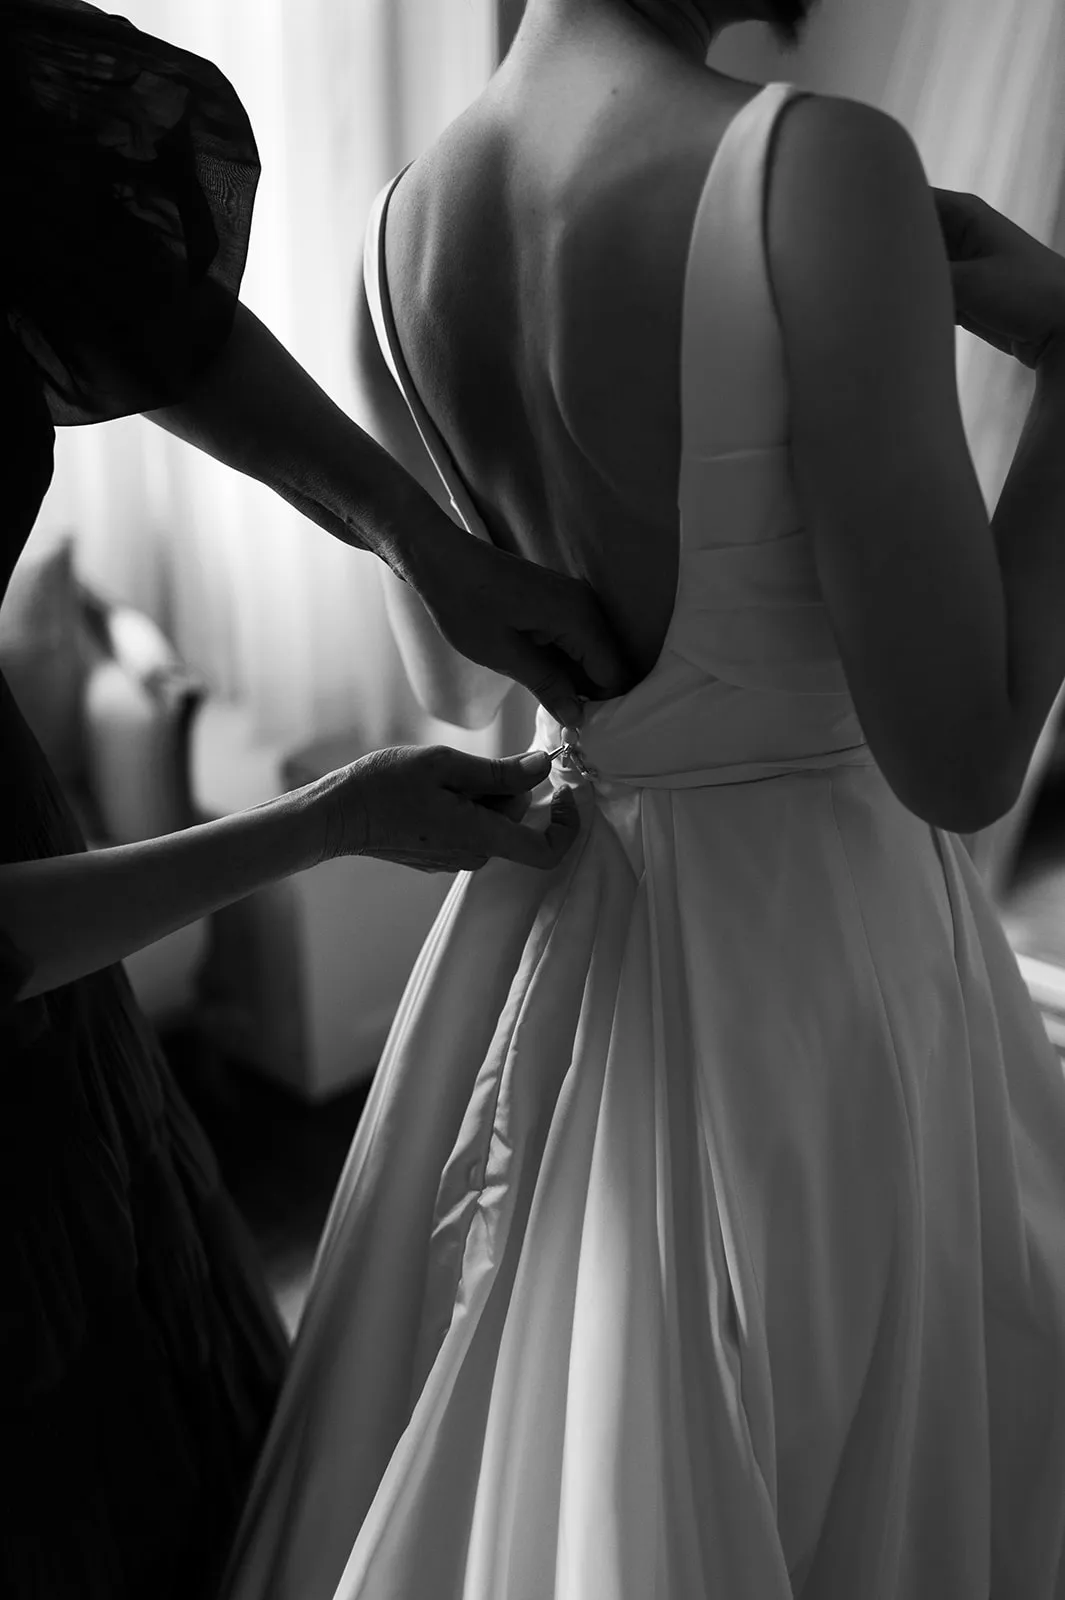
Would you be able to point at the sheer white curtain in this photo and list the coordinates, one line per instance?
(980, 84)
(340, 93)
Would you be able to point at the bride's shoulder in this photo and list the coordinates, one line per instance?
(845, 190)
(823, 140)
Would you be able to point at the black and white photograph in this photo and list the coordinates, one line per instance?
(532, 800)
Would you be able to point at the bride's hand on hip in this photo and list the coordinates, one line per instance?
(541, 628)
(1009, 289)
(441, 810)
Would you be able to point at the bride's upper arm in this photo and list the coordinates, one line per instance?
(882, 468)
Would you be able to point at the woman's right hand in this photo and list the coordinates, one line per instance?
(1009, 289)
(441, 810)
(541, 628)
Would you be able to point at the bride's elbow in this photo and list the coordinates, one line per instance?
(962, 807)
(473, 713)
(481, 715)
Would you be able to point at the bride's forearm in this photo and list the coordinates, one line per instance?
(258, 411)
(445, 684)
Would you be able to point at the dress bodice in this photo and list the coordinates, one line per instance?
(749, 678)
(749, 681)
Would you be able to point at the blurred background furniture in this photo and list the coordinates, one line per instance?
(111, 705)
(304, 977)
(300, 980)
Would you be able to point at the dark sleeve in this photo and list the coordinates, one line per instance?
(14, 970)
(127, 175)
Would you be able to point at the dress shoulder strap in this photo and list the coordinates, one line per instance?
(376, 281)
(732, 383)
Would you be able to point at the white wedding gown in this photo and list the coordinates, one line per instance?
(704, 1234)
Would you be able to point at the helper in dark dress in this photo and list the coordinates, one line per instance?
(139, 1352)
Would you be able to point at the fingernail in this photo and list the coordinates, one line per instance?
(534, 761)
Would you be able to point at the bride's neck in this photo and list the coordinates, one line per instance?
(679, 20)
(681, 23)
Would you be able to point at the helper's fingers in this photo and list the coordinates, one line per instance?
(453, 861)
(1014, 324)
(538, 669)
(511, 806)
(970, 226)
(486, 776)
(529, 847)
(586, 638)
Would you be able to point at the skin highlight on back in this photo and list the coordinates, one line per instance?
(536, 260)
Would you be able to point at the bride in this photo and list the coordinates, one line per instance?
(704, 1234)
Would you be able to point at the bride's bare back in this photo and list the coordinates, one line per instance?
(536, 259)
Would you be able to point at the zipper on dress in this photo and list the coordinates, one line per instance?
(569, 754)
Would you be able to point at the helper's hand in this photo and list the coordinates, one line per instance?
(440, 810)
(541, 628)
(1009, 289)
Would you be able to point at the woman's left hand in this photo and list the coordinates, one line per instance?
(541, 628)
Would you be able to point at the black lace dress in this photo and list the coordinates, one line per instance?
(139, 1352)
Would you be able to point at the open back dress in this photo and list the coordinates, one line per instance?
(704, 1234)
